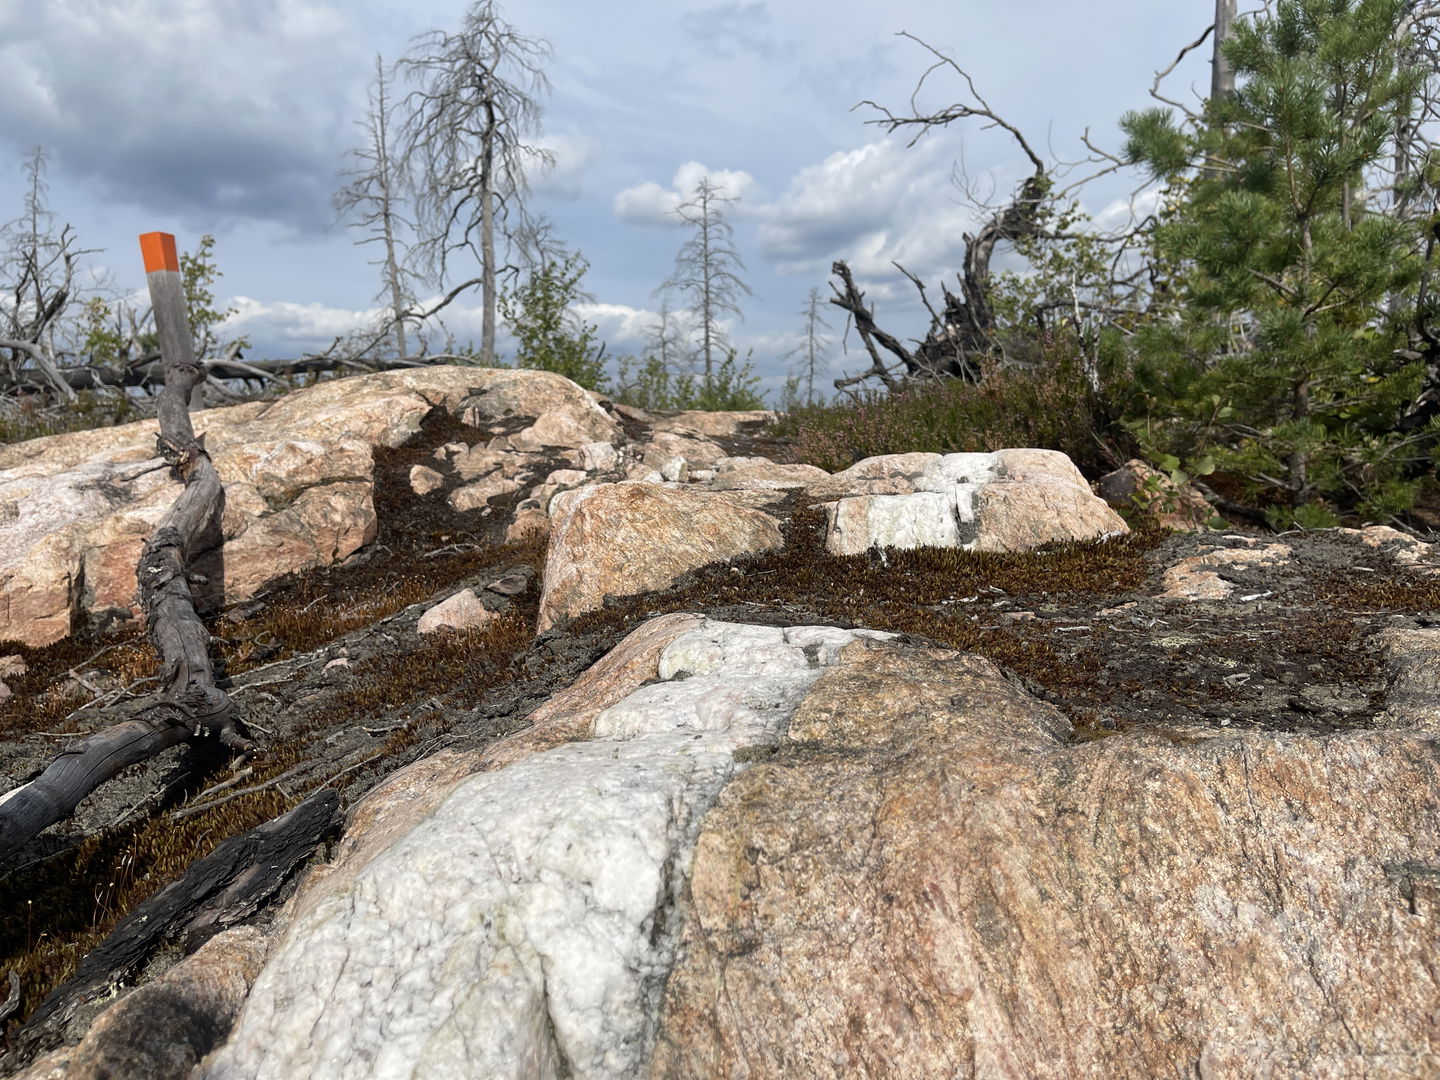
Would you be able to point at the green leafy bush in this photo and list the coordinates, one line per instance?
(547, 335)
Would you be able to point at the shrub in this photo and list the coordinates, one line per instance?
(1048, 406)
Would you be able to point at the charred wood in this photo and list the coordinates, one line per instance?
(218, 891)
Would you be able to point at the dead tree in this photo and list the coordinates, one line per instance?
(42, 269)
(373, 198)
(190, 705)
(964, 329)
(705, 270)
(463, 136)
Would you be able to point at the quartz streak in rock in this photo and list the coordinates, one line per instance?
(935, 882)
(630, 538)
(525, 927)
(1011, 500)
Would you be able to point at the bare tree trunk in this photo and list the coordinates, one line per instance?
(387, 213)
(1222, 72)
(707, 306)
(487, 236)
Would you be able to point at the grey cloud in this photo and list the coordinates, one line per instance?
(240, 113)
(727, 29)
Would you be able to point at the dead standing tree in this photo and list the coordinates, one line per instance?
(963, 330)
(43, 269)
(464, 138)
(705, 270)
(190, 705)
(373, 199)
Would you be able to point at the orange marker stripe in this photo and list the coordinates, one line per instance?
(158, 248)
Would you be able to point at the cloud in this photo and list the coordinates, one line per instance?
(650, 204)
(565, 180)
(730, 29)
(285, 321)
(233, 109)
(621, 327)
(1124, 213)
(878, 203)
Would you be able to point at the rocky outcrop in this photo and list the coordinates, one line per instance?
(75, 509)
(560, 414)
(936, 882)
(921, 873)
(621, 539)
(525, 926)
(1203, 576)
(1010, 500)
(698, 847)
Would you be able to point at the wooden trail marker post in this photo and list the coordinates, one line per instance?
(189, 704)
(167, 300)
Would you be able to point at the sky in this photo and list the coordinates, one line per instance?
(235, 118)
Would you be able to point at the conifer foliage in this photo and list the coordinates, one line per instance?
(1277, 354)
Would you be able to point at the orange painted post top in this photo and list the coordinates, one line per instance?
(158, 248)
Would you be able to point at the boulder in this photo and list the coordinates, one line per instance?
(626, 538)
(524, 926)
(560, 413)
(530, 521)
(696, 451)
(1140, 489)
(75, 509)
(424, 480)
(766, 476)
(598, 457)
(1010, 500)
(479, 461)
(712, 425)
(476, 495)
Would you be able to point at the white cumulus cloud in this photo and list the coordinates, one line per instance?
(649, 203)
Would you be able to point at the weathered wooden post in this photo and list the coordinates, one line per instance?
(167, 301)
(189, 704)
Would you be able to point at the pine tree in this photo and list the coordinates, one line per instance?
(1280, 360)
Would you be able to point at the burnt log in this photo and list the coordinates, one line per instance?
(218, 891)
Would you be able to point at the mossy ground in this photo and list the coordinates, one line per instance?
(1054, 619)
